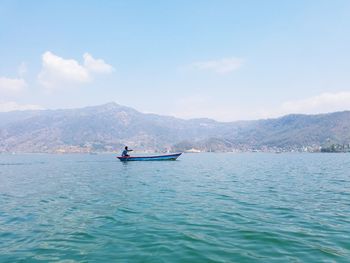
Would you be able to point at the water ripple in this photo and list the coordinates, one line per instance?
(203, 208)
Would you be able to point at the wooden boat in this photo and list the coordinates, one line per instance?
(168, 157)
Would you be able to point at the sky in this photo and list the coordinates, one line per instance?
(226, 60)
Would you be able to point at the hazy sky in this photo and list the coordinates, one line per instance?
(226, 60)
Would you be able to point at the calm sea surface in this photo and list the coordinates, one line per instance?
(201, 208)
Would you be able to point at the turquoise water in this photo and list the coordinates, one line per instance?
(202, 208)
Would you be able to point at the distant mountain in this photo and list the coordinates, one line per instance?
(109, 127)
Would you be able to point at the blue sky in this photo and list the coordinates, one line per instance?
(226, 60)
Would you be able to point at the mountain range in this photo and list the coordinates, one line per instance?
(108, 127)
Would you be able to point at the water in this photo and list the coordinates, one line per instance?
(202, 208)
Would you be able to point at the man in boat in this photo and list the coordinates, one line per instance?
(125, 152)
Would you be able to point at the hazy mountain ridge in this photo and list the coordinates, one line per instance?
(108, 127)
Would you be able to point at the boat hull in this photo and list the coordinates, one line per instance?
(168, 157)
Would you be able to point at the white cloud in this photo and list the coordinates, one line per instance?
(201, 106)
(13, 106)
(58, 72)
(10, 86)
(323, 103)
(221, 66)
(96, 65)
